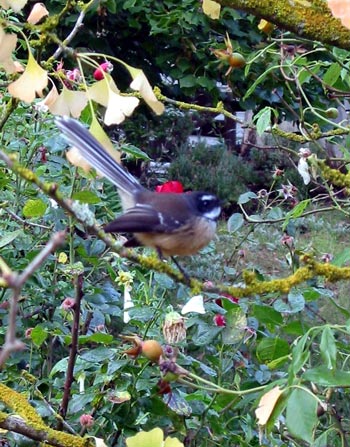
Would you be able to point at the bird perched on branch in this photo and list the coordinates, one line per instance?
(173, 224)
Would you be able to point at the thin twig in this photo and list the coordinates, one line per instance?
(73, 348)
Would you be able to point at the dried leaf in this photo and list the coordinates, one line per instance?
(267, 404)
(7, 46)
(16, 5)
(37, 13)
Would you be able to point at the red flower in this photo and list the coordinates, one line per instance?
(172, 186)
(106, 67)
(219, 320)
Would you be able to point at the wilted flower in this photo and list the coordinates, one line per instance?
(327, 258)
(288, 240)
(288, 191)
(304, 152)
(277, 172)
(174, 329)
(68, 304)
(28, 332)
(262, 193)
(86, 420)
(74, 75)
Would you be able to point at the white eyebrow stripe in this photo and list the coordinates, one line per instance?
(208, 197)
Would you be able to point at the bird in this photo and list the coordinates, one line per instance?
(174, 224)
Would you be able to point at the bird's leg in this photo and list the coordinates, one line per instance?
(181, 270)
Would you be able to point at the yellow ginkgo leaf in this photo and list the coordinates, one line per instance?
(99, 91)
(48, 101)
(106, 93)
(37, 13)
(32, 81)
(153, 438)
(16, 5)
(98, 132)
(7, 46)
(69, 102)
(267, 404)
(141, 84)
(119, 107)
(211, 9)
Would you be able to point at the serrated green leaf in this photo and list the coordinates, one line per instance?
(301, 415)
(267, 315)
(86, 197)
(38, 335)
(34, 208)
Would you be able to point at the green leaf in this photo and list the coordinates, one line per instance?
(332, 74)
(34, 208)
(271, 349)
(263, 120)
(188, 81)
(135, 152)
(328, 348)
(295, 303)
(235, 222)
(296, 212)
(9, 237)
(86, 197)
(98, 355)
(301, 414)
(327, 377)
(267, 315)
(246, 197)
(38, 335)
(342, 258)
(236, 322)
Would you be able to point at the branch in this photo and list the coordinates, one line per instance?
(49, 436)
(314, 22)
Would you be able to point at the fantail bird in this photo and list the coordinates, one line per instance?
(173, 224)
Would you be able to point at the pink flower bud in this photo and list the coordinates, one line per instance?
(86, 420)
(105, 67)
(68, 304)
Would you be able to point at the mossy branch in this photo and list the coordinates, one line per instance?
(27, 422)
(313, 21)
(252, 287)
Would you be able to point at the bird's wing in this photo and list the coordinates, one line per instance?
(143, 219)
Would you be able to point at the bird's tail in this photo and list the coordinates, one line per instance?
(95, 154)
